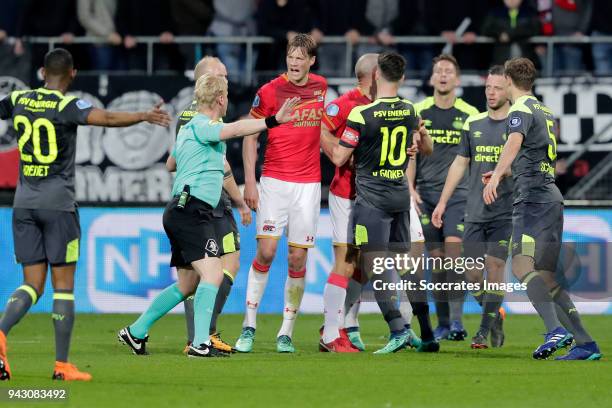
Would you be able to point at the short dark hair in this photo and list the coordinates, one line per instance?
(391, 65)
(496, 70)
(304, 41)
(58, 62)
(449, 58)
(522, 72)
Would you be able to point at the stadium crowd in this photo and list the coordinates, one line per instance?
(118, 23)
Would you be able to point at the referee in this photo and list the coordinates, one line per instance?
(188, 219)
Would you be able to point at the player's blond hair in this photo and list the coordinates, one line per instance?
(208, 88)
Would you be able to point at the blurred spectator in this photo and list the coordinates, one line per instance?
(47, 19)
(512, 25)
(544, 8)
(233, 18)
(13, 61)
(601, 25)
(11, 10)
(192, 18)
(445, 16)
(147, 18)
(379, 15)
(336, 18)
(570, 18)
(281, 20)
(412, 21)
(98, 19)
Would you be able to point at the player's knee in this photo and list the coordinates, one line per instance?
(473, 275)
(231, 263)
(187, 282)
(453, 248)
(296, 263)
(38, 287)
(265, 253)
(297, 258)
(522, 265)
(495, 267)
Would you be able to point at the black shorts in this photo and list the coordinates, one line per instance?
(191, 231)
(50, 236)
(491, 238)
(377, 229)
(226, 232)
(452, 220)
(537, 230)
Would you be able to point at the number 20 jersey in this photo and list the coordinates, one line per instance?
(45, 124)
(380, 133)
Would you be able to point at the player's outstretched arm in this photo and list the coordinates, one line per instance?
(328, 142)
(511, 149)
(249, 126)
(101, 117)
(454, 177)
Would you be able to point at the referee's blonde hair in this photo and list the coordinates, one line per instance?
(208, 88)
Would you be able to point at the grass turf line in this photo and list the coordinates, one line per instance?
(457, 376)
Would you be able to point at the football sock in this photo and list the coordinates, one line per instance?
(456, 297)
(188, 304)
(492, 301)
(420, 308)
(222, 295)
(566, 309)
(204, 304)
(406, 311)
(165, 301)
(352, 303)
(541, 300)
(404, 307)
(421, 311)
(334, 295)
(294, 291)
(256, 285)
(387, 302)
(440, 298)
(17, 306)
(63, 322)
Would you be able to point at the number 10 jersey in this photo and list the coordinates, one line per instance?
(380, 133)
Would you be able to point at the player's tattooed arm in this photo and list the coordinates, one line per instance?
(509, 153)
(454, 177)
(328, 142)
(101, 117)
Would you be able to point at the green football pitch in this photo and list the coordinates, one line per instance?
(455, 377)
